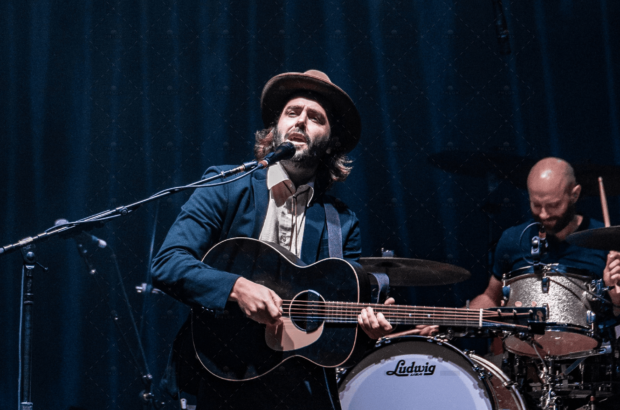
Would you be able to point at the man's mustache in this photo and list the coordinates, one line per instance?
(298, 131)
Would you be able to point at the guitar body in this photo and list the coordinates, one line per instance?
(235, 348)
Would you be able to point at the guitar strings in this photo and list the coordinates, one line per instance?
(348, 311)
(347, 307)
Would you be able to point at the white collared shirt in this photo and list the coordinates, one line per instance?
(286, 214)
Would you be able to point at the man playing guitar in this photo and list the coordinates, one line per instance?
(285, 204)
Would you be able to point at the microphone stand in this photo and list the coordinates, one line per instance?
(25, 383)
(74, 228)
(27, 247)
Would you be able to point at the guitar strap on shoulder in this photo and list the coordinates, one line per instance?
(380, 289)
(334, 233)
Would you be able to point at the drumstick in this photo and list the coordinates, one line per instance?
(604, 202)
(605, 213)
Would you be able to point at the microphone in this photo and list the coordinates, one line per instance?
(286, 150)
(83, 236)
(542, 234)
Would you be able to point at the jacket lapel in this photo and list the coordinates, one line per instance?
(315, 223)
(261, 201)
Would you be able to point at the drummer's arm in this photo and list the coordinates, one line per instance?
(490, 298)
(611, 276)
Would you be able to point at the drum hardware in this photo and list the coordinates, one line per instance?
(590, 318)
(544, 284)
(508, 384)
(578, 362)
(505, 289)
(482, 372)
(539, 242)
(566, 382)
(548, 398)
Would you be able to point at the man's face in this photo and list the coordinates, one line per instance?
(304, 123)
(553, 206)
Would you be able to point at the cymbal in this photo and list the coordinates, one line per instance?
(607, 239)
(415, 272)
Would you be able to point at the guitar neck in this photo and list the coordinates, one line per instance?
(344, 312)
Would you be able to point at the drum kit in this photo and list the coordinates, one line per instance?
(572, 364)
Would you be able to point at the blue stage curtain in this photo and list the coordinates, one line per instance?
(106, 102)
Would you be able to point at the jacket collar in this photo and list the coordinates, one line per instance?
(315, 217)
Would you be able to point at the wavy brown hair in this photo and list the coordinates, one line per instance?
(333, 167)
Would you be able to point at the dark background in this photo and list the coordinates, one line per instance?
(103, 103)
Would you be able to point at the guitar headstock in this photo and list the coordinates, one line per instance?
(518, 318)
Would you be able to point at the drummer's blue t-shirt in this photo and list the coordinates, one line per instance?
(511, 254)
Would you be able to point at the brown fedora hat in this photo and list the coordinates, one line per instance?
(280, 88)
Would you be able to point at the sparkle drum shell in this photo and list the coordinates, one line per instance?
(567, 330)
(422, 373)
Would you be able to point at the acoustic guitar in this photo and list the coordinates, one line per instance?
(320, 309)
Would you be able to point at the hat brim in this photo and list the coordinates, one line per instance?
(280, 88)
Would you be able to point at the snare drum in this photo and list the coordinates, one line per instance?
(570, 316)
(419, 372)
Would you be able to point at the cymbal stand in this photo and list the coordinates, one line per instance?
(548, 399)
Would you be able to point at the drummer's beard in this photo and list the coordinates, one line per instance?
(561, 221)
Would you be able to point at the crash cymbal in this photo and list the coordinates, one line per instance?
(415, 272)
(607, 239)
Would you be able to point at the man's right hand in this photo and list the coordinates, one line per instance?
(258, 302)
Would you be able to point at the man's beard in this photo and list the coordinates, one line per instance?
(562, 222)
(309, 157)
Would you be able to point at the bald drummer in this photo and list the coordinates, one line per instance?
(553, 193)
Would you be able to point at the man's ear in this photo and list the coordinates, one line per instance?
(576, 191)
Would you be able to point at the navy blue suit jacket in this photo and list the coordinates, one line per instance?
(233, 210)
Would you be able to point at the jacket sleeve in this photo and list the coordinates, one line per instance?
(177, 269)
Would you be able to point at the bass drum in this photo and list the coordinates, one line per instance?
(419, 372)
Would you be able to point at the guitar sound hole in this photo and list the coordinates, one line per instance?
(308, 311)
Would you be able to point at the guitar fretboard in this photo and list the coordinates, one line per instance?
(347, 312)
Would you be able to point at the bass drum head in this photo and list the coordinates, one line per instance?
(415, 372)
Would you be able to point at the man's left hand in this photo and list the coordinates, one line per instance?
(611, 274)
(375, 326)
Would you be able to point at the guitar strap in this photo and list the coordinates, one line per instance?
(334, 233)
(380, 290)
